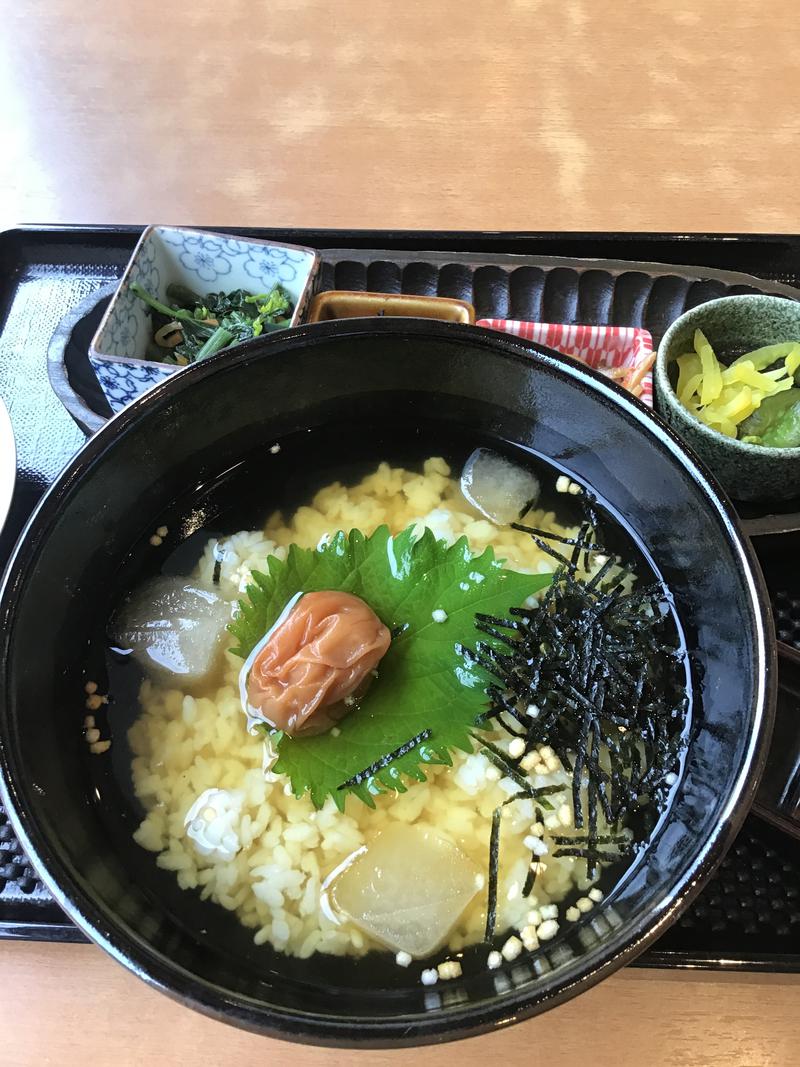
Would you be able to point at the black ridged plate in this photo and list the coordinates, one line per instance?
(536, 289)
(749, 915)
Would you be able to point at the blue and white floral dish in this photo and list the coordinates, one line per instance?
(203, 261)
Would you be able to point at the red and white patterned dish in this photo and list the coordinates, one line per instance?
(623, 353)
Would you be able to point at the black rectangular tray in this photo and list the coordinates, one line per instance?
(748, 917)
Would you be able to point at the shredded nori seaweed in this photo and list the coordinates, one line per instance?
(533, 869)
(530, 878)
(494, 864)
(602, 666)
(219, 556)
(384, 761)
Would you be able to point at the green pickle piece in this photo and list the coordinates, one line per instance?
(786, 432)
(776, 424)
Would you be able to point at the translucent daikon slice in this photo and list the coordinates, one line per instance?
(407, 888)
(499, 489)
(174, 628)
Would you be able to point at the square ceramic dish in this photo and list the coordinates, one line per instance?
(624, 353)
(204, 262)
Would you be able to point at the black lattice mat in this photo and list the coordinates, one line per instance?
(786, 608)
(749, 913)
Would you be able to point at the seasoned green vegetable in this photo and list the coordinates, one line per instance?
(193, 327)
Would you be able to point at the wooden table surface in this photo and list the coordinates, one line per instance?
(515, 114)
(69, 1005)
(509, 114)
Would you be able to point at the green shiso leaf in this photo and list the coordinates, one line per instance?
(423, 683)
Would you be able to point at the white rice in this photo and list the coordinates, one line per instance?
(184, 745)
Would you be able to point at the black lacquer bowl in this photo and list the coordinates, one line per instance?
(405, 376)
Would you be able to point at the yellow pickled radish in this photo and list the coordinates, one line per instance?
(711, 385)
(736, 407)
(717, 422)
(692, 393)
(776, 375)
(783, 385)
(761, 358)
(690, 375)
(724, 397)
(747, 374)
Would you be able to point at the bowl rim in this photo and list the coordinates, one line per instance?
(455, 1021)
(667, 394)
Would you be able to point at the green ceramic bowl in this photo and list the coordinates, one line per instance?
(732, 324)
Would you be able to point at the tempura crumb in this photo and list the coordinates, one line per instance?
(516, 748)
(547, 930)
(511, 949)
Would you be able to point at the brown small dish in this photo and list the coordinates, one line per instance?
(341, 304)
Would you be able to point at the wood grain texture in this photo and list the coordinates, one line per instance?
(69, 1005)
(515, 114)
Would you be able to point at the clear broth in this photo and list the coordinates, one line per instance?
(285, 480)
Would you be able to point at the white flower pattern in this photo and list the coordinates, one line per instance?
(205, 258)
(211, 258)
(272, 265)
(124, 328)
(122, 382)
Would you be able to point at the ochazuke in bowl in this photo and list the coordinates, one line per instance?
(186, 483)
